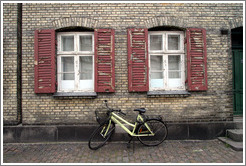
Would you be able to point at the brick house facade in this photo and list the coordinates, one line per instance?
(214, 103)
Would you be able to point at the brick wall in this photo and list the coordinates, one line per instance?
(216, 104)
(10, 63)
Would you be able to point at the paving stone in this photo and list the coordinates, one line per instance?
(171, 151)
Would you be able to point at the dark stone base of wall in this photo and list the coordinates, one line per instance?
(10, 123)
(70, 133)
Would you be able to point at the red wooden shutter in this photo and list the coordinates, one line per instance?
(196, 59)
(44, 65)
(104, 60)
(138, 77)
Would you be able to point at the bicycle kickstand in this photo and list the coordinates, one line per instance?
(129, 142)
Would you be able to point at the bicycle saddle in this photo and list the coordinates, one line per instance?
(140, 110)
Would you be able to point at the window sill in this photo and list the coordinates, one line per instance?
(177, 93)
(76, 94)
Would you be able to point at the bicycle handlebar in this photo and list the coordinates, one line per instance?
(112, 110)
(120, 112)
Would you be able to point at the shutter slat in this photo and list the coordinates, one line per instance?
(196, 59)
(104, 60)
(138, 77)
(44, 52)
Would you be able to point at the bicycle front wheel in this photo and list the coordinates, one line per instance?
(157, 127)
(101, 135)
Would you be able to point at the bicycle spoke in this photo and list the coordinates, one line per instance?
(109, 132)
(101, 135)
(158, 128)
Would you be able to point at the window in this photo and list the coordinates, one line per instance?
(75, 62)
(166, 60)
(156, 61)
(81, 64)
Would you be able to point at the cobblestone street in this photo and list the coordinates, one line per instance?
(171, 151)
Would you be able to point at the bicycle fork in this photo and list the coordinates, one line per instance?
(105, 131)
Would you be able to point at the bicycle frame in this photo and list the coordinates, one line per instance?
(118, 120)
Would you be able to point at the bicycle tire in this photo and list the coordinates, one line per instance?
(96, 140)
(158, 127)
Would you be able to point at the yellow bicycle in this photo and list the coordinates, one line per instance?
(149, 131)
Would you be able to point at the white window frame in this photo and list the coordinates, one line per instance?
(181, 42)
(165, 53)
(60, 44)
(163, 44)
(76, 54)
(86, 34)
(182, 67)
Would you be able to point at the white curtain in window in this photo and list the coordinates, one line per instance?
(85, 67)
(156, 76)
(156, 42)
(67, 43)
(174, 71)
(68, 68)
(173, 42)
(67, 73)
(86, 73)
(85, 43)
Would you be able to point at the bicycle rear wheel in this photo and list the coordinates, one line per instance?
(98, 137)
(157, 127)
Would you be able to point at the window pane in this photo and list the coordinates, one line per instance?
(174, 71)
(175, 83)
(67, 43)
(174, 74)
(173, 42)
(67, 76)
(85, 43)
(67, 85)
(155, 42)
(156, 75)
(85, 67)
(156, 62)
(156, 80)
(67, 68)
(156, 83)
(174, 62)
(86, 85)
(67, 64)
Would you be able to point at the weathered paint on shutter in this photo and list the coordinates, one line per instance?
(196, 59)
(44, 52)
(104, 60)
(138, 77)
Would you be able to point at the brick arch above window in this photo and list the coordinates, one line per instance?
(165, 21)
(235, 23)
(167, 28)
(75, 29)
(74, 22)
